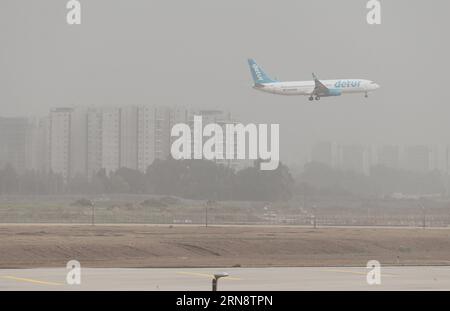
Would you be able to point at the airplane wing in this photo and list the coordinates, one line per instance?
(320, 88)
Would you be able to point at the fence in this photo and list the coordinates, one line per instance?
(202, 215)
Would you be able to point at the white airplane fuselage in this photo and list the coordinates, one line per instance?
(341, 86)
(315, 89)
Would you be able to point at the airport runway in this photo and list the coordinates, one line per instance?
(290, 279)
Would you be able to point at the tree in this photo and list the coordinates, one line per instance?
(8, 180)
(134, 178)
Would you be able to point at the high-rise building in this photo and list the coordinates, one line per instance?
(145, 137)
(78, 142)
(222, 119)
(353, 158)
(323, 153)
(94, 141)
(110, 139)
(154, 124)
(162, 132)
(447, 160)
(178, 115)
(14, 134)
(389, 156)
(67, 141)
(129, 137)
(418, 158)
(59, 141)
(38, 145)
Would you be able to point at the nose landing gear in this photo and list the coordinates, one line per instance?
(366, 95)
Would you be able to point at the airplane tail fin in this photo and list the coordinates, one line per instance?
(258, 74)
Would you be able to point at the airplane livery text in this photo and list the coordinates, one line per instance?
(313, 89)
(347, 83)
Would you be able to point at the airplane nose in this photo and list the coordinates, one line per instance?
(377, 86)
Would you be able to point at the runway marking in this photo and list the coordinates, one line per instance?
(207, 275)
(32, 281)
(356, 272)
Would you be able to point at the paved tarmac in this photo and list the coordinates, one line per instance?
(290, 279)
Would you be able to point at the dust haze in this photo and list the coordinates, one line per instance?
(194, 54)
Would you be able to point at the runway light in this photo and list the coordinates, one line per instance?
(216, 278)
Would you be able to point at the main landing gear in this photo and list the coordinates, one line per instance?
(311, 98)
(366, 95)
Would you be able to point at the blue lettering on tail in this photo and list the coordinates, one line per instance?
(258, 74)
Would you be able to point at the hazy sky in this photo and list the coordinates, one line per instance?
(194, 53)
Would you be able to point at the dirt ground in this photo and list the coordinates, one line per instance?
(27, 246)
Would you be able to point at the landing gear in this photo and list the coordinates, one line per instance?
(366, 95)
(311, 98)
(317, 97)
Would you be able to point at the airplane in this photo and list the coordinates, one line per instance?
(314, 89)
